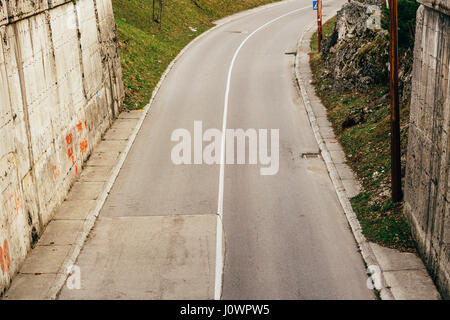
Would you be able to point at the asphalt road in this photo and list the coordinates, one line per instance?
(285, 236)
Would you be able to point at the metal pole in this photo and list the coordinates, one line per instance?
(396, 179)
(319, 23)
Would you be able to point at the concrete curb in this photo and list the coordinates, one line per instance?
(364, 246)
(92, 217)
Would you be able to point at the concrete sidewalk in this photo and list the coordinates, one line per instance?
(168, 249)
(404, 275)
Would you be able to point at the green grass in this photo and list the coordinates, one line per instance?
(407, 10)
(148, 47)
(327, 29)
(367, 148)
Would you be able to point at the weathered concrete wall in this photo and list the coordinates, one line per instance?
(427, 173)
(60, 88)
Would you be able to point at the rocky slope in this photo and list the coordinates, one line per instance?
(351, 76)
(358, 57)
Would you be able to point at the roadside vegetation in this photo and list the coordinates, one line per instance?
(361, 122)
(147, 45)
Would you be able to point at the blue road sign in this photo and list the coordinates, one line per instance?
(315, 5)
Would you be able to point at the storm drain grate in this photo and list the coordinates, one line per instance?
(291, 53)
(310, 155)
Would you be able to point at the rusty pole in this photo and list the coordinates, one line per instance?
(319, 23)
(396, 179)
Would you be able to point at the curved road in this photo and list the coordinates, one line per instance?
(284, 236)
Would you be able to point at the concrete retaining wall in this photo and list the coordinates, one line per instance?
(427, 174)
(60, 88)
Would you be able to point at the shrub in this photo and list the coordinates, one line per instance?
(406, 21)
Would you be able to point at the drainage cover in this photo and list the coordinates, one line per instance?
(310, 155)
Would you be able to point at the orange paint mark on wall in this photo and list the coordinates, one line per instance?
(13, 199)
(70, 152)
(17, 202)
(83, 146)
(56, 172)
(4, 257)
(69, 139)
(2, 263)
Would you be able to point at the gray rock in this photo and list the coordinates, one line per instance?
(358, 57)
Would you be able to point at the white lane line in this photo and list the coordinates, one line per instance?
(219, 232)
